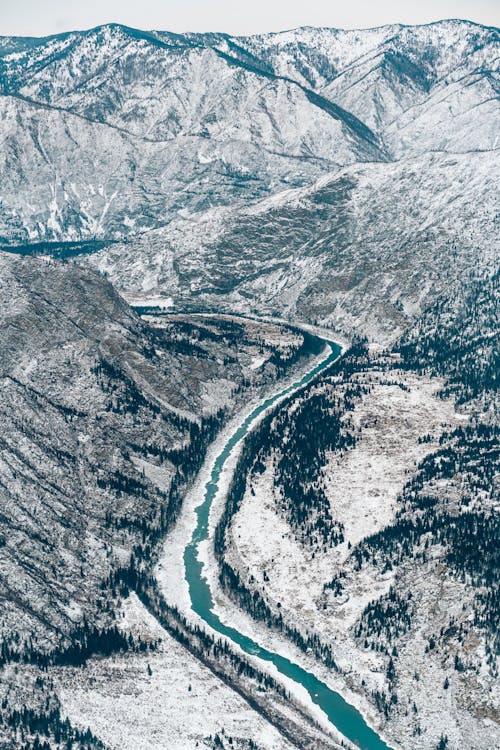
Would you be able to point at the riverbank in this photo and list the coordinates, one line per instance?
(170, 570)
(169, 574)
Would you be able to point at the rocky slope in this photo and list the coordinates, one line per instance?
(99, 412)
(420, 88)
(126, 130)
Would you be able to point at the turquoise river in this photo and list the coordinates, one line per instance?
(345, 717)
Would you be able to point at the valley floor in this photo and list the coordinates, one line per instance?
(167, 697)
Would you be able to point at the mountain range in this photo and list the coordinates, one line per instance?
(311, 173)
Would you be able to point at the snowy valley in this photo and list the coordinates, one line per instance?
(249, 302)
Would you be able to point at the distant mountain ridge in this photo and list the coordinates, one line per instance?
(113, 131)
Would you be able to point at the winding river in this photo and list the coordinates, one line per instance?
(347, 719)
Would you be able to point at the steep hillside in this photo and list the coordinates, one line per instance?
(126, 130)
(100, 412)
(420, 88)
(366, 249)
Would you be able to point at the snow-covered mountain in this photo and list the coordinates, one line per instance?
(95, 403)
(110, 132)
(123, 130)
(409, 84)
(103, 418)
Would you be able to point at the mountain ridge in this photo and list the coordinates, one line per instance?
(221, 119)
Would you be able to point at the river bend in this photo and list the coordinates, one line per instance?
(345, 717)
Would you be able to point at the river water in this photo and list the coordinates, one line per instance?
(345, 717)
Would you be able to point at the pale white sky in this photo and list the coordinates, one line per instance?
(43, 17)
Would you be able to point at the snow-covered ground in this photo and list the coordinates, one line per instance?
(170, 576)
(164, 699)
(363, 485)
(393, 419)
